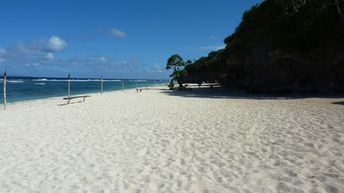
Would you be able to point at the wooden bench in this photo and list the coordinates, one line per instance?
(76, 97)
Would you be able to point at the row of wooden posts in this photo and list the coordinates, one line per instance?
(101, 85)
(69, 87)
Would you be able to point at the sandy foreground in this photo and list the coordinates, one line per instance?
(158, 141)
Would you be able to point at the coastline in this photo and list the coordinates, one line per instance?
(32, 88)
(56, 98)
(82, 93)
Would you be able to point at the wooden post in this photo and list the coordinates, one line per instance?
(5, 97)
(69, 85)
(101, 84)
(122, 85)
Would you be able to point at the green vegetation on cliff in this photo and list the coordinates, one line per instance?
(281, 46)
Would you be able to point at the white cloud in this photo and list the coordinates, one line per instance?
(215, 47)
(56, 44)
(20, 49)
(103, 58)
(117, 33)
(2, 60)
(212, 37)
(32, 64)
(50, 56)
(43, 48)
(2, 51)
(100, 59)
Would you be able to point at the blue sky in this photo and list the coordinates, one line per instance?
(129, 39)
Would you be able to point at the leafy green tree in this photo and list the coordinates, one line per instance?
(280, 46)
(177, 64)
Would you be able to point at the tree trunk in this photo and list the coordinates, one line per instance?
(294, 5)
(5, 97)
(339, 10)
(180, 84)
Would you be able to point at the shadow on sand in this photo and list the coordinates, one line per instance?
(72, 103)
(338, 103)
(230, 93)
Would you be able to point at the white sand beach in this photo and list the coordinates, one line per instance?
(158, 141)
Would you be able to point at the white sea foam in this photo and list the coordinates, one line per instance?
(73, 80)
(49, 80)
(15, 81)
(112, 80)
(40, 80)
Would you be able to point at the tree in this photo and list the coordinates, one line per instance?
(176, 63)
(339, 4)
(280, 46)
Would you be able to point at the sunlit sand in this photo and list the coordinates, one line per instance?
(159, 141)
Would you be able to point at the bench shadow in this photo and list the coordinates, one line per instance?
(72, 103)
(230, 93)
(338, 103)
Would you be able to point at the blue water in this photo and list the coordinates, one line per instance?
(23, 88)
